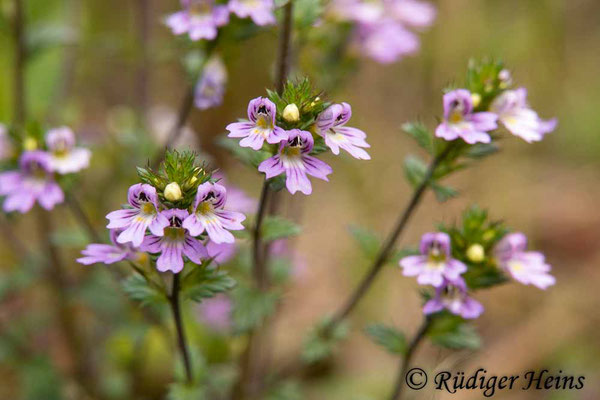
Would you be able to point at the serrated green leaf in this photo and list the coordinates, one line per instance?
(206, 282)
(307, 12)
(321, 342)
(369, 242)
(277, 183)
(451, 331)
(251, 306)
(481, 150)
(414, 170)
(138, 289)
(421, 134)
(443, 193)
(276, 227)
(389, 337)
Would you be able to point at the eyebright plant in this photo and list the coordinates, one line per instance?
(35, 171)
(171, 213)
(291, 129)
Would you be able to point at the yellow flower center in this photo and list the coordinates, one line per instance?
(204, 208)
(455, 117)
(292, 151)
(148, 208)
(174, 233)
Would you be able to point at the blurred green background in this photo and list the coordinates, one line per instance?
(112, 71)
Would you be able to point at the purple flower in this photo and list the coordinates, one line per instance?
(527, 267)
(174, 244)
(330, 125)
(211, 86)
(435, 262)
(452, 296)
(216, 312)
(34, 181)
(208, 215)
(461, 121)
(261, 11)
(106, 253)
(418, 14)
(514, 112)
(293, 159)
(65, 158)
(199, 18)
(144, 214)
(387, 41)
(261, 127)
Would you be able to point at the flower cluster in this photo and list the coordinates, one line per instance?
(171, 213)
(382, 26)
(436, 267)
(35, 179)
(471, 114)
(200, 19)
(293, 129)
(474, 256)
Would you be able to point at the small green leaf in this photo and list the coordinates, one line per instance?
(322, 341)
(414, 170)
(481, 150)
(421, 134)
(138, 289)
(389, 337)
(368, 241)
(277, 183)
(276, 227)
(443, 193)
(451, 331)
(251, 306)
(206, 282)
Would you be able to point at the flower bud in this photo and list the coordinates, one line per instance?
(476, 253)
(291, 113)
(505, 78)
(172, 192)
(30, 144)
(476, 99)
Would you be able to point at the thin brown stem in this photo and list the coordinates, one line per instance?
(253, 362)
(185, 109)
(386, 250)
(283, 59)
(296, 367)
(405, 362)
(174, 301)
(143, 69)
(20, 53)
(261, 277)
